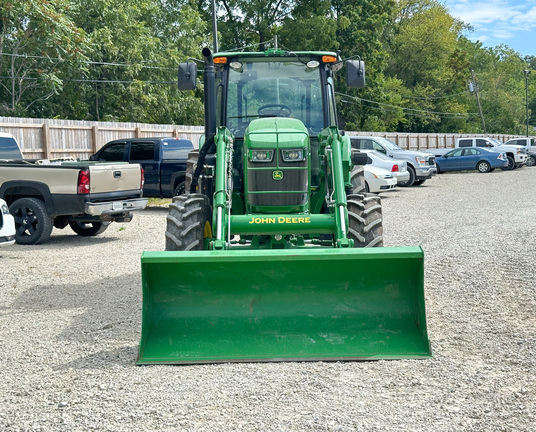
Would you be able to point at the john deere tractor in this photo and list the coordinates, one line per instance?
(274, 253)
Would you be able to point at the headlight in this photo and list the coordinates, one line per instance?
(261, 155)
(421, 160)
(5, 210)
(293, 155)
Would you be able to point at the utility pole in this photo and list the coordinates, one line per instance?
(527, 73)
(473, 88)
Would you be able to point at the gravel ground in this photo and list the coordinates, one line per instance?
(70, 317)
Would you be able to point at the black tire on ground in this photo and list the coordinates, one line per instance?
(411, 180)
(483, 167)
(365, 220)
(511, 164)
(88, 229)
(419, 182)
(191, 163)
(531, 161)
(188, 222)
(180, 189)
(33, 224)
(357, 178)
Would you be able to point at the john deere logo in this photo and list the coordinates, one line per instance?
(277, 175)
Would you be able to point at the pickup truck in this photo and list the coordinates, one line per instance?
(529, 144)
(421, 166)
(87, 196)
(163, 161)
(516, 154)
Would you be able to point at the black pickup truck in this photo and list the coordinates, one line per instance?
(163, 161)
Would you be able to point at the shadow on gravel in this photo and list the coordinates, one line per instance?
(125, 356)
(99, 314)
(75, 241)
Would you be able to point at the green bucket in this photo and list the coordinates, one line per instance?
(300, 304)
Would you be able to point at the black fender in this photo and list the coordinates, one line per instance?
(15, 189)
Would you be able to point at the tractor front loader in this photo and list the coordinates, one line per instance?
(275, 251)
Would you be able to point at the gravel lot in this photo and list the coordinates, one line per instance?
(70, 318)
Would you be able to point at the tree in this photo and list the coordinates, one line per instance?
(38, 43)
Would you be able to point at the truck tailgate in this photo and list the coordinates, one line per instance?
(114, 177)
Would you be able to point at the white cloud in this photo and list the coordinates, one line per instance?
(496, 19)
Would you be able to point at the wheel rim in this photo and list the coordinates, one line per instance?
(531, 161)
(25, 221)
(483, 167)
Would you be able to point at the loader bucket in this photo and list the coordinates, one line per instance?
(282, 305)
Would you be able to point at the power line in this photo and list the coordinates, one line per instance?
(90, 80)
(428, 112)
(88, 61)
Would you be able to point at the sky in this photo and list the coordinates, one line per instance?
(496, 22)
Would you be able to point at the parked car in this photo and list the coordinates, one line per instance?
(162, 159)
(397, 167)
(378, 180)
(531, 158)
(471, 158)
(421, 166)
(7, 225)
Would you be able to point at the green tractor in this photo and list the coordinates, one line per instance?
(273, 254)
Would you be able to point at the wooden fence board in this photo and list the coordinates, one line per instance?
(51, 138)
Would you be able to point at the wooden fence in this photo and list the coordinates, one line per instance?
(49, 139)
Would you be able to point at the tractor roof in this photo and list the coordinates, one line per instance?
(274, 52)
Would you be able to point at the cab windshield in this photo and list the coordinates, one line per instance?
(273, 89)
(389, 144)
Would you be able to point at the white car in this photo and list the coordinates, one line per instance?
(7, 225)
(397, 167)
(378, 180)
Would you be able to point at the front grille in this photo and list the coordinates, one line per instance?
(292, 190)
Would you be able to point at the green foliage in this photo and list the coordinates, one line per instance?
(117, 60)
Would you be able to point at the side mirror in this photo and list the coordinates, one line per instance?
(93, 158)
(355, 73)
(187, 76)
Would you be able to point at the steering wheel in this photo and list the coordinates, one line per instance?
(274, 110)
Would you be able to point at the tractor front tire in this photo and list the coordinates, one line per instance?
(365, 220)
(188, 222)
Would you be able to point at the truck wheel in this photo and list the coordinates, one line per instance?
(411, 180)
(365, 220)
(191, 163)
(188, 222)
(33, 224)
(88, 229)
(179, 189)
(357, 178)
(531, 161)
(511, 164)
(483, 167)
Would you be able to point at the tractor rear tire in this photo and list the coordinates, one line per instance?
(188, 222)
(191, 164)
(365, 220)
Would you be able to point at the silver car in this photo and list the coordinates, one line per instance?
(397, 167)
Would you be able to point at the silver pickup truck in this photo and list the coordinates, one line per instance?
(421, 166)
(85, 195)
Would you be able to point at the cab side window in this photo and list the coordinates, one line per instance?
(113, 153)
(465, 143)
(141, 151)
